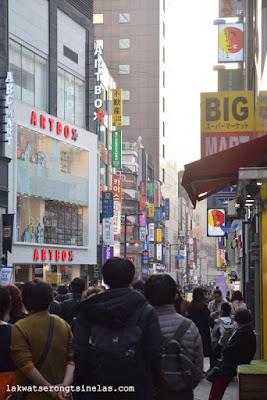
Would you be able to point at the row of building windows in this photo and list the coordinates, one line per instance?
(124, 18)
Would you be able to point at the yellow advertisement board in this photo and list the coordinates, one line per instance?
(227, 112)
(116, 107)
(151, 210)
(159, 235)
(53, 277)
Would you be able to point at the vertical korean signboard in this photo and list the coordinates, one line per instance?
(116, 149)
(151, 189)
(167, 209)
(116, 107)
(227, 120)
(117, 195)
(107, 204)
(151, 210)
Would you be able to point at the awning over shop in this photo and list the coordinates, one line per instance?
(211, 174)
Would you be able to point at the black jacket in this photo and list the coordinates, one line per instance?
(106, 308)
(201, 317)
(69, 308)
(240, 350)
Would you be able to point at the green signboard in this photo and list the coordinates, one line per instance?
(116, 149)
(151, 189)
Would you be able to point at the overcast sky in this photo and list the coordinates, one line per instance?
(191, 53)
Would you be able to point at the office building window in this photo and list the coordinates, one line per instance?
(103, 173)
(163, 175)
(126, 120)
(99, 42)
(124, 43)
(163, 150)
(163, 129)
(102, 133)
(124, 18)
(126, 95)
(98, 18)
(163, 104)
(163, 29)
(124, 69)
(70, 97)
(30, 75)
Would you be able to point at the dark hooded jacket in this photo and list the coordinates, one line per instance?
(240, 349)
(118, 306)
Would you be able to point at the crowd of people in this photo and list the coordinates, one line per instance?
(95, 343)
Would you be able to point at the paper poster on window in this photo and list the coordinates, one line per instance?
(230, 43)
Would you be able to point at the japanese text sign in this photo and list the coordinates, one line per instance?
(116, 107)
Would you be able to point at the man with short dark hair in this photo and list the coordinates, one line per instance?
(117, 337)
(69, 308)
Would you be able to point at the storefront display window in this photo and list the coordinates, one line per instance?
(52, 190)
(70, 98)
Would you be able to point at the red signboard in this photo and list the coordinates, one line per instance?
(116, 188)
(142, 203)
(142, 189)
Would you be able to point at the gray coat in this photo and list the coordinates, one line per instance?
(170, 321)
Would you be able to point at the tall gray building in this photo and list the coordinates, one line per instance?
(132, 34)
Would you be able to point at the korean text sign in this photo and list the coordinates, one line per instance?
(107, 204)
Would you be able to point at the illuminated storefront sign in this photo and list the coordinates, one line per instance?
(52, 255)
(98, 103)
(54, 126)
(8, 102)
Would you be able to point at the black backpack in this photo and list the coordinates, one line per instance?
(177, 370)
(114, 354)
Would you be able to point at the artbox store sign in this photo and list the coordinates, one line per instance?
(98, 115)
(53, 255)
(8, 102)
(51, 125)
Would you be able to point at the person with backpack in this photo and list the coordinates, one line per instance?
(240, 349)
(182, 357)
(69, 308)
(117, 338)
(222, 330)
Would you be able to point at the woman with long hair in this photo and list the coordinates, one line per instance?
(16, 310)
(237, 301)
(198, 312)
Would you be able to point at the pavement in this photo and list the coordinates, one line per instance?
(202, 391)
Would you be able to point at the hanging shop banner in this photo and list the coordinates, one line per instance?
(142, 233)
(159, 215)
(159, 251)
(231, 8)
(117, 219)
(167, 254)
(107, 253)
(116, 107)
(108, 231)
(216, 217)
(151, 210)
(145, 257)
(151, 189)
(7, 224)
(227, 120)
(116, 188)
(231, 43)
(6, 275)
(142, 203)
(143, 189)
(116, 149)
(151, 251)
(107, 204)
(151, 232)
(167, 209)
(142, 219)
(159, 235)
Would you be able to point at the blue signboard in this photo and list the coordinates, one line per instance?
(107, 204)
(167, 209)
(159, 215)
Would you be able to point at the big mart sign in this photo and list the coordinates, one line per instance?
(227, 120)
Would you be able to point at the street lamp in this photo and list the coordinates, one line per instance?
(125, 223)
